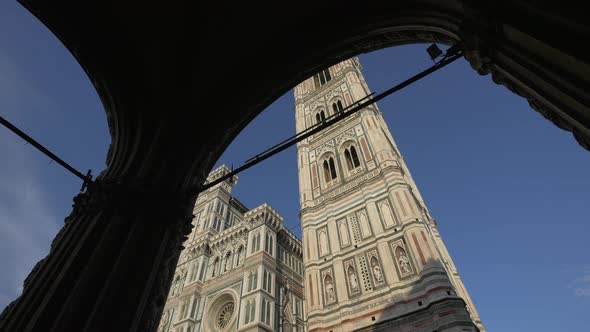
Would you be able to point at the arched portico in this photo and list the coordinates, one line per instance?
(158, 69)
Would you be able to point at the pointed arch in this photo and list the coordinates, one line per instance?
(364, 224)
(329, 295)
(326, 171)
(387, 214)
(353, 283)
(337, 106)
(344, 238)
(376, 269)
(227, 261)
(239, 254)
(403, 261)
(320, 116)
(348, 159)
(247, 313)
(354, 156)
(332, 168)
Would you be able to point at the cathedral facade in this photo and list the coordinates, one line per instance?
(240, 269)
(371, 258)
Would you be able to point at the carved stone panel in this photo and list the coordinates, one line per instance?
(376, 268)
(403, 259)
(352, 280)
(323, 242)
(387, 213)
(328, 287)
(364, 225)
(343, 233)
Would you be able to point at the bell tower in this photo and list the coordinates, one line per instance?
(373, 258)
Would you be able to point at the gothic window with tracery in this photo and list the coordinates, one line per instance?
(224, 315)
(337, 107)
(352, 158)
(329, 169)
(320, 116)
(250, 312)
(321, 78)
(253, 280)
(268, 245)
(255, 243)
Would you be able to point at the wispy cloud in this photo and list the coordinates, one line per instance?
(581, 285)
(27, 224)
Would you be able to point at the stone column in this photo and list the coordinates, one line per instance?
(110, 266)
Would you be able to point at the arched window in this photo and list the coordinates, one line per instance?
(247, 318)
(253, 310)
(332, 169)
(253, 280)
(348, 160)
(355, 157)
(329, 169)
(352, 158)
(337, 107)
(321, 78)
(326, 171)
(320, 116)
(257, 245)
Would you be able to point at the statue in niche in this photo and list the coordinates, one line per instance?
(175, 285)
(181, 278)
(227, 262)
(164, 321)
(214, 268)
(377, 270)
(285, 295)
(404, 261)
(354, 284)
(330, 289)
(239, 256)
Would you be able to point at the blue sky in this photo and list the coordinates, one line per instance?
(508, 189)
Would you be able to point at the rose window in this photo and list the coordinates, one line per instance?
(224, 315)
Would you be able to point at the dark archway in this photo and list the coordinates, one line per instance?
(159, 69)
